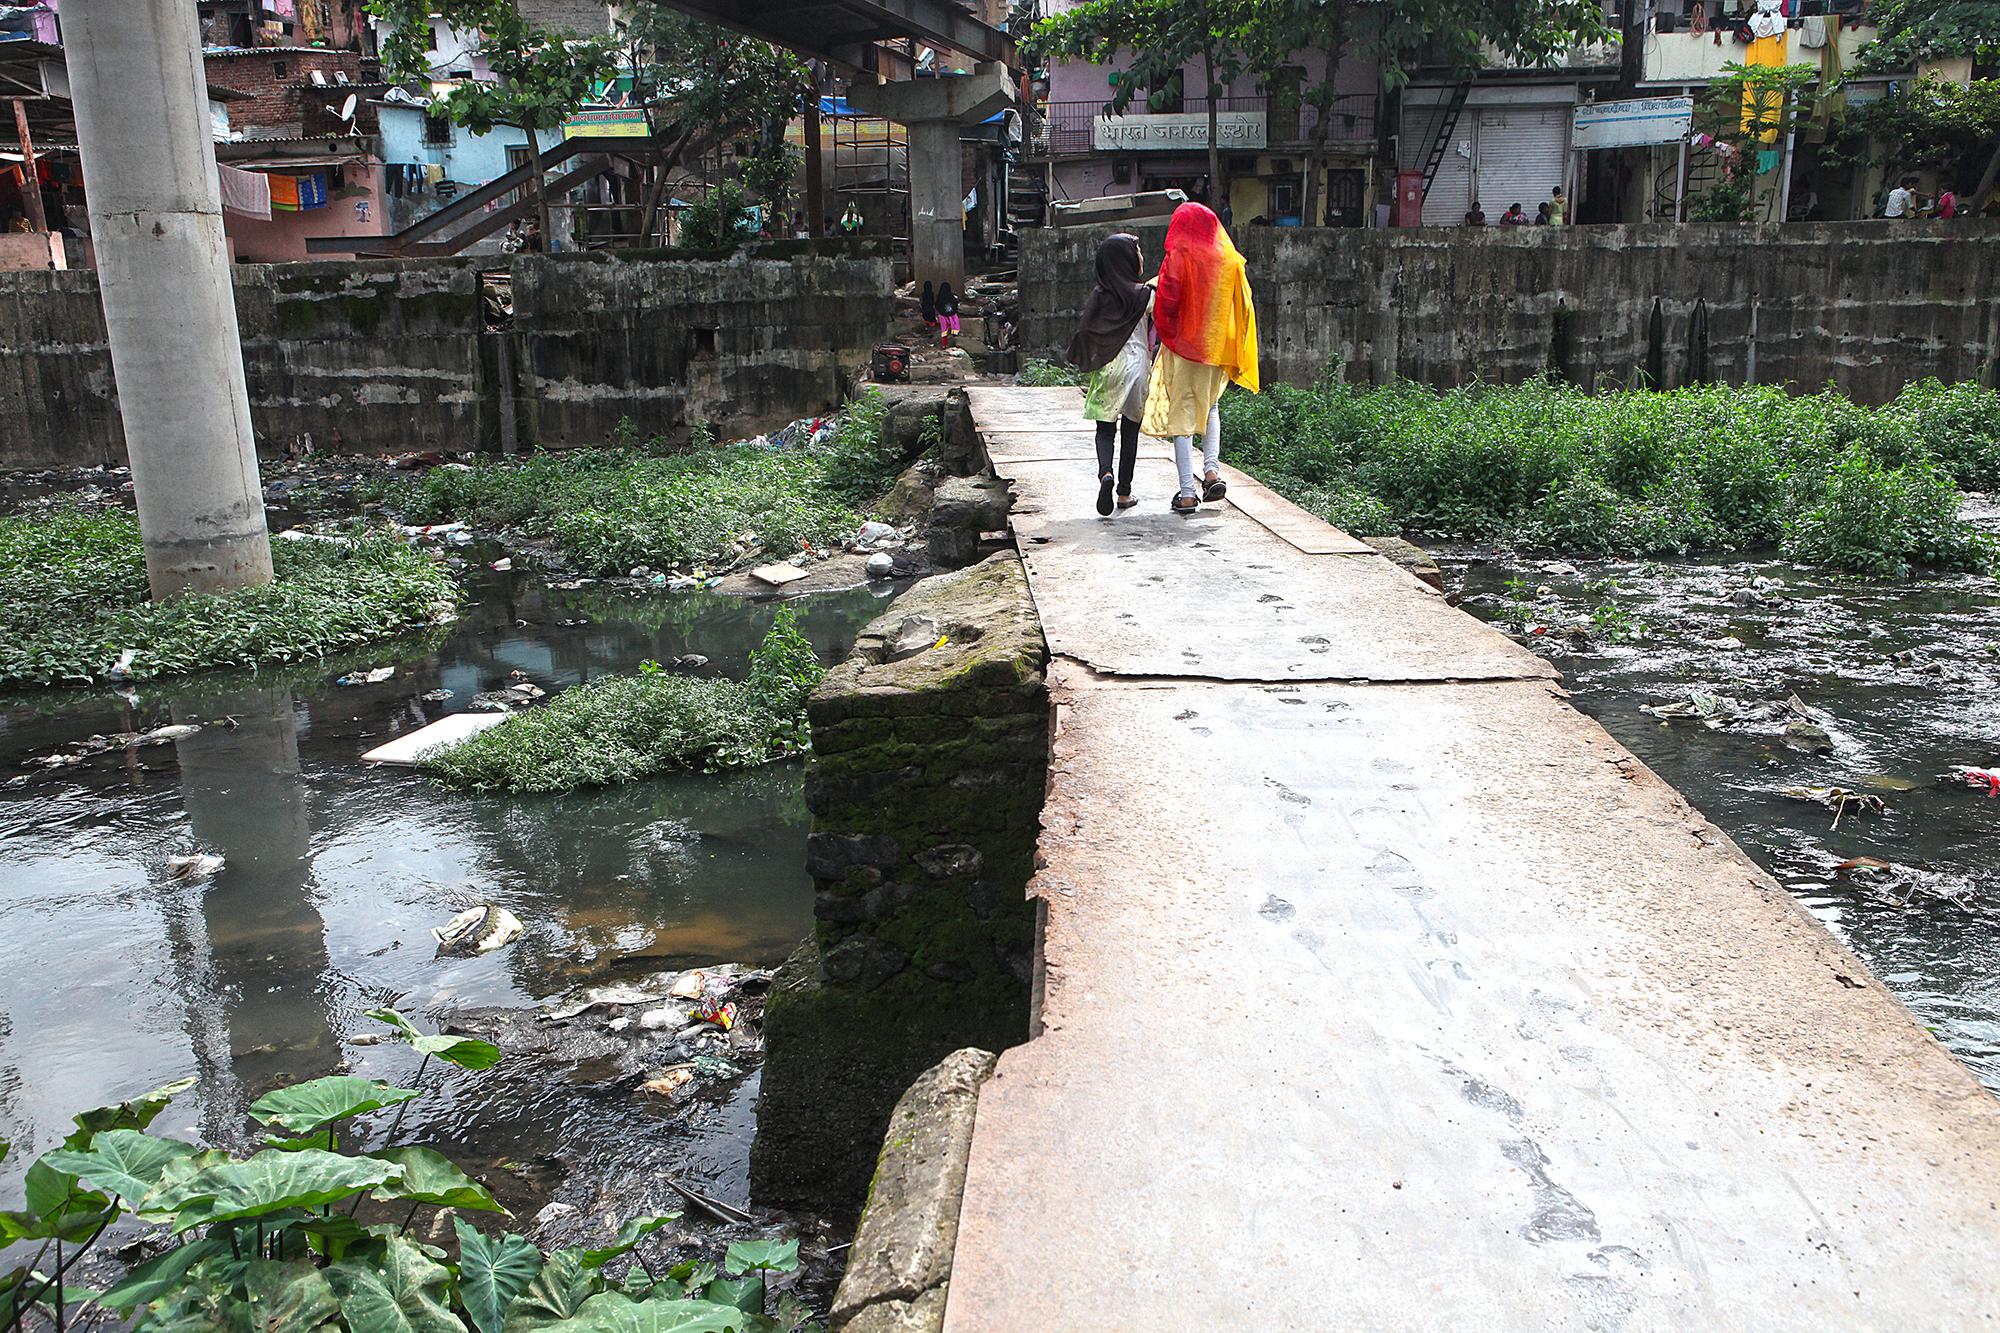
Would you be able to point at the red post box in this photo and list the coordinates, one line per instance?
(1409, 210)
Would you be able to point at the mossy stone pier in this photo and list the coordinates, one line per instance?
(930, 758)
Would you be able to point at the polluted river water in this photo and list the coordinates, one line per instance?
(120, 976)
(1899, 676)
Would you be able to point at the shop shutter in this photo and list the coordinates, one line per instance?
(1451, 189)
(1521, 156)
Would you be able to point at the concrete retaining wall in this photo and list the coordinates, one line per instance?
(383, 356)
(1865, 305)
(929, 764)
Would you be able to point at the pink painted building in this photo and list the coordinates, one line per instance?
(1265, 135)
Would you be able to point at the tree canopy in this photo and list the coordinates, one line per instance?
(1911, 30)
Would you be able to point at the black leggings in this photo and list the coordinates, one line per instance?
(1128, 453)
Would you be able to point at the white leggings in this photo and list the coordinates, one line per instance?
(1211, 452)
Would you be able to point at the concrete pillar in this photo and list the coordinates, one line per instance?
(142, 122)
(937, 224)
(934, 111)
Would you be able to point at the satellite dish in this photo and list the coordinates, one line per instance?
(347, 107)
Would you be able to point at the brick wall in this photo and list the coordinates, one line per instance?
(268, 75)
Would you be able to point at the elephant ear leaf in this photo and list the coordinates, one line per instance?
(266, 1183)
(615, 1312)
(305, 1107)
(136, 1113)
(429, 1177)
(123, 1161)
(492, 1272)
(285, 1297)
(404, 1291)
(556, 1294)
(635, 1230)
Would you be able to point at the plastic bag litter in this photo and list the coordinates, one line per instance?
(875, 531)
(375, 677)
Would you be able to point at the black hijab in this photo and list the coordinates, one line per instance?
(1115, 306)
(947, 300)
(927, 303)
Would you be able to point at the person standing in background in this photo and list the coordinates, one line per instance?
(1557, 207)
(1902, 201)
(947, 314)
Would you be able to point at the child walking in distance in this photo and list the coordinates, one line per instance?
(1208, 338)
(947, 313)
(1114, 343)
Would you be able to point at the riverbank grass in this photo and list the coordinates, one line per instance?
(1825, 480)
(73, 599)
(628, 728)
(613, 509)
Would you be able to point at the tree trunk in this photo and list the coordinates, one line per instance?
(649, 216)
(1388, 142)
(541, 192)
(1218, 190)
(1987, 179)
(1314, 214)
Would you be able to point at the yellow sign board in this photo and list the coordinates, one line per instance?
(607, 123)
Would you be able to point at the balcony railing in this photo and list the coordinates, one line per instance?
(1065, 128)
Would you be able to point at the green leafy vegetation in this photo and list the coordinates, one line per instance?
(625, 728)
(611, 510)
(1874, 490)
(1039, 374)
(260, 1241)
(73, 598)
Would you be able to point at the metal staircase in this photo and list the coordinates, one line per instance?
(1447, 123)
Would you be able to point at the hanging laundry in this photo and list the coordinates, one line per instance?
(284, 193)
(313, 191)
(433, 172)
(245, 193)
(1812, 32)
(1763, 110)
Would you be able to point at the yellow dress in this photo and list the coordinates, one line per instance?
(1180, 395)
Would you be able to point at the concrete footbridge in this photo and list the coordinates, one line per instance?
(1380, 988)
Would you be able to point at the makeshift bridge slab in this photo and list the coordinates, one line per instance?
(1382, 989)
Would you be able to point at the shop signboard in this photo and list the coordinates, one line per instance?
(1177, 131)
(1634, 123)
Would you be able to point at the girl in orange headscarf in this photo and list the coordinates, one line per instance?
(1208, 338)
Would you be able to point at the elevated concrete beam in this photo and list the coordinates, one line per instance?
(934, 110)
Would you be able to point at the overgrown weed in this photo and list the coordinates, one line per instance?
(627, 728)
(1639, 472)
(73, 598)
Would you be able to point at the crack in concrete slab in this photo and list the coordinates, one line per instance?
(1160, 680)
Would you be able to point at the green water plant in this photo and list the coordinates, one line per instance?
(614, 509)
(73, 599)
(1038, 373)
(629, 727)
(276, 1240)
(1828, 481)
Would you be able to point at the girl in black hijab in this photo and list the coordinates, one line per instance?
(927, 306)
(1114, 343)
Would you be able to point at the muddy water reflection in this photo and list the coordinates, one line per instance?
(1906, 675)
(118, 977)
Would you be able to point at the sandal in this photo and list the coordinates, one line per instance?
(1214, 487)
(1104, 495)
(1186, 504)
(1126, 501)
